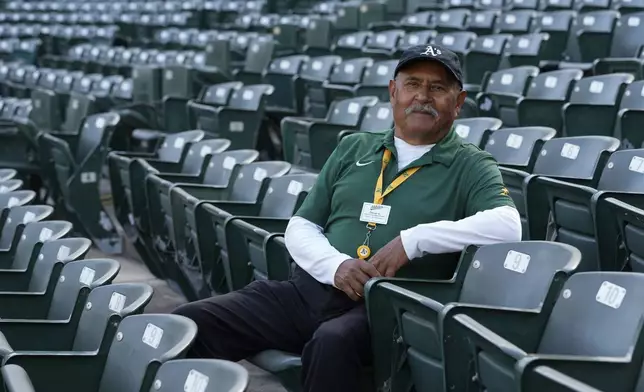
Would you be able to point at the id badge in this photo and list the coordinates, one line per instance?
(376, 213)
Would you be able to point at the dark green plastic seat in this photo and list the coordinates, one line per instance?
(545, 378)
(204, 375)
(314, 73)
(451, 20)
(243, 251)
(383, 44)
(483, 22)
(375, 81)
(630, 114)
(484, 55)
(516, 150)
(195, 239)
(7, 174)
(91, 331)
(284, 74)
(141, 344)
(543, 102)
(592, 302)
(477, 130)
(570, 205)
(593, 105)
(345, 77)
(409, 312)
(14, 221)
(349, 46)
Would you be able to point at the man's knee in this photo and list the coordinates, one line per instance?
(334, 337)
(191, 310)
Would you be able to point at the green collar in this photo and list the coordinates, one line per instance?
(443, 152)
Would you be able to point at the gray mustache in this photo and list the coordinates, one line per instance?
(427, 108)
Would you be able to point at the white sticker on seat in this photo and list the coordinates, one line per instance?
(642, 92)
(383, 113)
(444, 17)
(87, 276)
(294, 187)
(633, 21)
(547, 20)
(523, 43)
(152, 335)
(236, 126)
(596, 87)
(13, 201)
(514, 141)
(229, 163)
(348, 68)
(413, 39)
(353, 108)
(205, 150)
(462, 130)
(381, 39)
(507, 79)
(29, 217)
(3, 189)
(456, 2)
(610, 294)
(317, 65)
(196, 382)
(179, 142)
(588, 20)
(247, 95)
(382, 70)
(169, 75)
(516, 261)
(637, 164)
(88, 177)
(510, 19)
(488, 43)
(447, 40)
(63, 253)
(351, 40)
(570, 151)
(479, 18)
(285, 64)
(412, 19)
(117, 302)
(550, 82)
(259, 174)
(45, 234)
(220, 92)
(74, 103)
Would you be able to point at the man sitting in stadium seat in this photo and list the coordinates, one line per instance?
(381, 200)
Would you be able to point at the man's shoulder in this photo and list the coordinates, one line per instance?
(360, 142)
(472, 153)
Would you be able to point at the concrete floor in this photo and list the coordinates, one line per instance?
(165, 299)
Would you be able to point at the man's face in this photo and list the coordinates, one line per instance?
(425, 99)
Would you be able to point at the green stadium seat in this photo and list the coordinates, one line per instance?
(630, 114)
(7, 174)
(543, 102)
(14, 221)
(196, 244)
(413, 38)
(570, 205)
(93, 330)
(621, 241)
(375, 81)
(544, 378)
(411, 311)
(483, 22)
(593, 35)
(593, 105)
(245, 236)
(593, 302)
(349, 46)
(63, 299)
(10, 185)
(383, 44)
(345, 76)
(529, 49)
(284, 74)
(516, 150)
(502, 90)
(477, 130)
(516, 22)
(296, 131)
(451, 20)
(484, 55)
(314, 74)
(208, 375)
(76, 168)
(141, 344)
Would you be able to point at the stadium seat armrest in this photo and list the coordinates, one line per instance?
(180, 178)
(234, 208)
(206, 192)
(163, 166)
(259, 225)
(38, 335)
(602, 373)
(67, 371)
(427, 293)
(279, 266)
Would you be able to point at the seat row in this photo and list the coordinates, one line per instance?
(66, 324)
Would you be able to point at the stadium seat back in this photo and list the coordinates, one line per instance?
(458, 42)
(141, 344)
(575, 158)
(378, 117)
(476, 130)
(284, 194)
(349, 111)
(516, 275)
(21, 215)
(483, 21)
(595, 34)
(516, 22)
(528, 49)
(248, 183)
(554, 85)
(350, 72)
(452, 20)
(421, 37)
(173, 145)
(221, 165)
(250, 97)
(76, 280)
(53, 252)
(385, 40)
(599, 301)
(198, 152)
(517, 147)
(219, 94)
(106, 307)
(379, 74)
(32, 238)
(10, 185)
(207, 375)
(484, 56)
(600, 90)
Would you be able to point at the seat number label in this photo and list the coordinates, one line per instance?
(152, 335)
(196, 382)
(117, 302)
(611, 295)
(517, 262)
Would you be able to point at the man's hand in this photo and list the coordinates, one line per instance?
(390, 258)
(352, 275)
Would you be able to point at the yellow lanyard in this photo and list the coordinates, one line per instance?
(379, 196)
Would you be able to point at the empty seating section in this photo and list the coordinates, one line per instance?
(195, 130)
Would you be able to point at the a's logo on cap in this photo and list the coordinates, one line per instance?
(431, 50)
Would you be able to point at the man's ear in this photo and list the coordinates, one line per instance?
(392, 90)
(460, 100)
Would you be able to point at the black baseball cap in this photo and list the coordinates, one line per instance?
(437, 53)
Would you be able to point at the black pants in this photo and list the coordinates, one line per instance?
(321, 323)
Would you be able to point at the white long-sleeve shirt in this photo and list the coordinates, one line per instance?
(311, 250)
